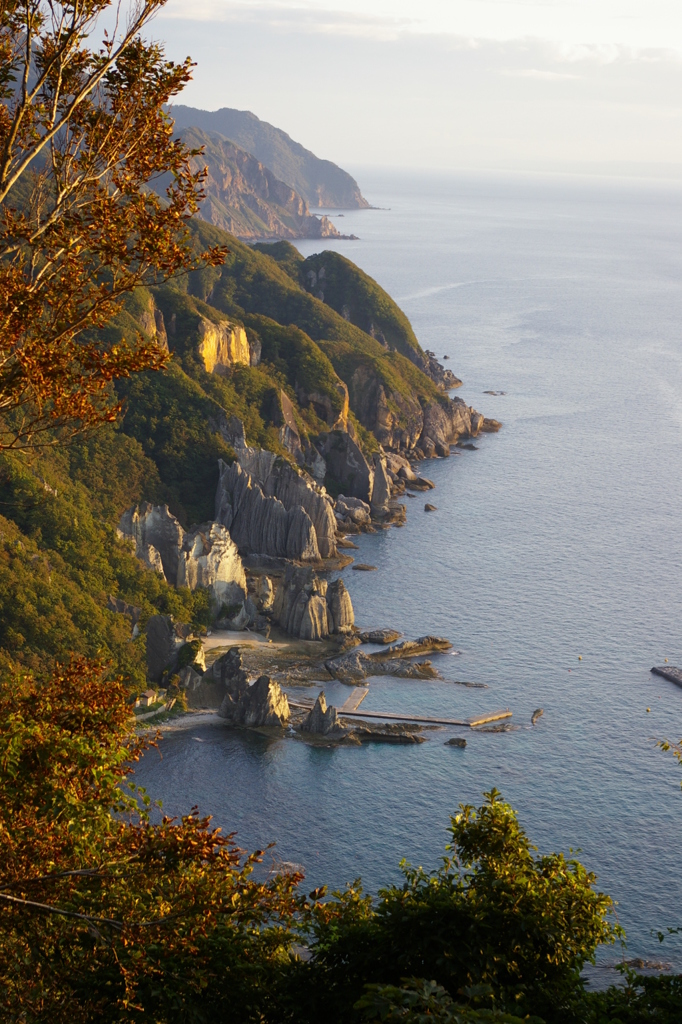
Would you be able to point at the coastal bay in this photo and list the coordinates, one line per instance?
(554, 539)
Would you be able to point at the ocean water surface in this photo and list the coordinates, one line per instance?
(559, 537)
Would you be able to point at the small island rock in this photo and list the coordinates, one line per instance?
(321, 719)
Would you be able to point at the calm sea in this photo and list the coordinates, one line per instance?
(559, 537)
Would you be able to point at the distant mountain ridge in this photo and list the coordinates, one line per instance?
(319, 182)
(245, 198)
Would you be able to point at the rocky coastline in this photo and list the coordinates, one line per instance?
(285, 619)
(283, 522)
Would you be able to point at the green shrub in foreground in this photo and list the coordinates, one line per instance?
(494, 914)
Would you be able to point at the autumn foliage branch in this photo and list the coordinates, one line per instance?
(83, 136)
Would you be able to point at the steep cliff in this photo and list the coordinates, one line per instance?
(245, 198)
(270, 510)
(205, 557)
(309, 607)
(265, 376)
(320, 182)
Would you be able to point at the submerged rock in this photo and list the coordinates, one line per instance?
(456, 741)
(385, 733)
(380, 636)
(420, 483)
(538, 713)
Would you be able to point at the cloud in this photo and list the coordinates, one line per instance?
(291, 17)
(548, 76)
(394, 23)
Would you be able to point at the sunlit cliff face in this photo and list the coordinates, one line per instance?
(222, 346)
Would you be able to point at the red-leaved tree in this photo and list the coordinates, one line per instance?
(83, 136)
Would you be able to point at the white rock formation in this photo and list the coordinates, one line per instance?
(310, 608)
(206, 556)
(278, 479)
(156, 534)
(209, 558)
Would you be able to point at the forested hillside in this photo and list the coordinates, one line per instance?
(245, 337)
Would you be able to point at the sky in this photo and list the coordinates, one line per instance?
(587, 86)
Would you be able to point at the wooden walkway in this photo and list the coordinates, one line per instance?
(669, 672)
(470, 723)
(424, 720)
(355, 700)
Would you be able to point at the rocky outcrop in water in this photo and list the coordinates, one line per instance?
(379, 636)
(321, 719)
(441, 376)
(398, 468)
(352, 510)
(352, 667)
(381, 491)
(412, 648)
(308, 607)
(342, 617)
(263, 704)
